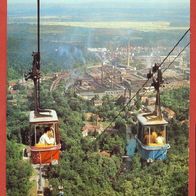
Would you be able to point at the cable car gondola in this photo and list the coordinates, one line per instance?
(44, 153)
(42, 119)
(152, 129)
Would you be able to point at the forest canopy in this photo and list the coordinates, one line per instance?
(82, 169)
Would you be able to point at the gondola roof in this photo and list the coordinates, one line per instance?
(43, 119)
(147, 119)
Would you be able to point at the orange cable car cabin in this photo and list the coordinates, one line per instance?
(44, 153)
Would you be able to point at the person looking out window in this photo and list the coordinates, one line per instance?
(48, 137)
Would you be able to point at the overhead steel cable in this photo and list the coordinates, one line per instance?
(124, 107)
(174, 47)
(176, 57)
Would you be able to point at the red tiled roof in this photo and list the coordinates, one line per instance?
(90, 128)
(13, 92)
(105, 153)
(12, 83)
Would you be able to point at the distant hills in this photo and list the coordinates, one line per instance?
(67, 30)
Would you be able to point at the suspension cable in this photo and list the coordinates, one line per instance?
(176, 57)
(174, 47)
(124, 107)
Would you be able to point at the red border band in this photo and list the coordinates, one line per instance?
(192, 135)
(3, 53)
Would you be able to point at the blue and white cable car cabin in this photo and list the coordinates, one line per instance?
(152, 137)
(152, 140)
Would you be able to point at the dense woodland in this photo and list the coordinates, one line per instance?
(82, 170)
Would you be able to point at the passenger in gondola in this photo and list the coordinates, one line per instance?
(154, 136)
(160, 139)
(48, 137)
(147, 138)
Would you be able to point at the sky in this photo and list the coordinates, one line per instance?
(25, 6)
(177, 2)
